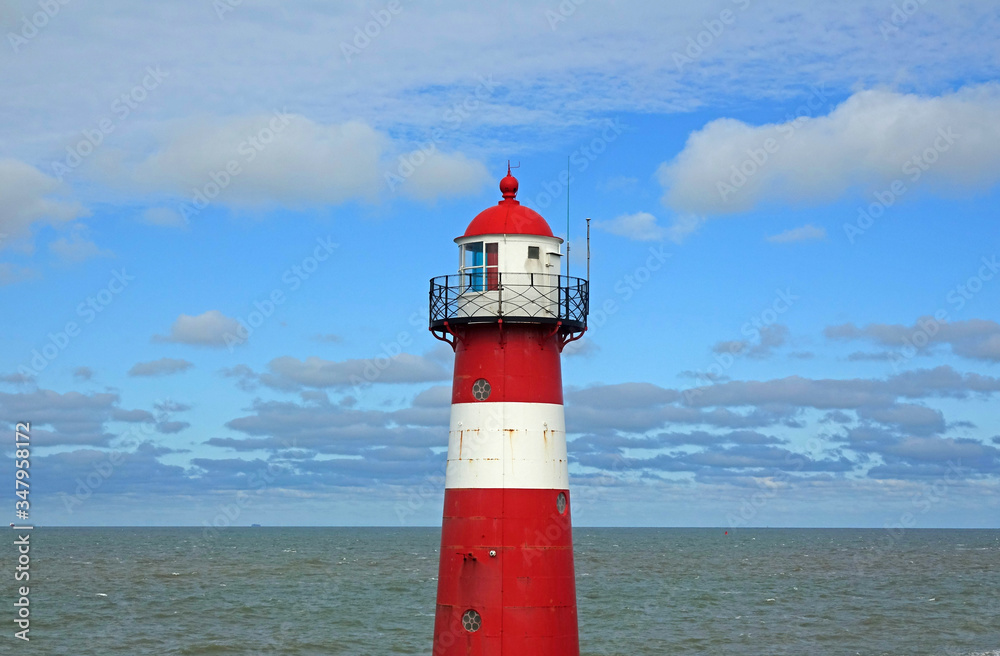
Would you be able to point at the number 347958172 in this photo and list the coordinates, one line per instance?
(22, 453)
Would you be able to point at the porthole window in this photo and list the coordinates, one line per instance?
(481, 389)
(471, 621)
(561, 503)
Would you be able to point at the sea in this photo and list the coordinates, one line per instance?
(662, 591)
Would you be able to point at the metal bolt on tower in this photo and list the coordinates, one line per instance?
(505, 583)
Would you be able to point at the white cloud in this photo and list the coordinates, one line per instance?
(83, 373)
(282, 158)
(77, 248)
(549, 80)
(803, 233)
(210, 328)
(161, 367)
(950, 449)
(684, 225)
(70, 418)
(618, 183)
(974, 338)
(771, 337)
(868, 141)
(906, 417)
(289, 373)
(317, 372)
(11, 273)
(16, 379)
(585, 348)
(27, 195)
(164, 216)
(397, 93)
(440, 174)
(272, 157)
(640, 226)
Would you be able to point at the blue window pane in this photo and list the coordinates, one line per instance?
(473, 255)
(473, 261)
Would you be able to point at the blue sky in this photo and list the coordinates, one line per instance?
(794, 277)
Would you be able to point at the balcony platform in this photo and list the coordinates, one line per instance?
(513, 297)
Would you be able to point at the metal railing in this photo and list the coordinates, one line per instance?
(513, 297)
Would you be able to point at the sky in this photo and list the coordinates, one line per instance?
(218, 219)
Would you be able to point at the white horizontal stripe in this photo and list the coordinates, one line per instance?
(507, 445)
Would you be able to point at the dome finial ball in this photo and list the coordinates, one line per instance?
(508, 186)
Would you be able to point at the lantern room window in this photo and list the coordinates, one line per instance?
(480, 266)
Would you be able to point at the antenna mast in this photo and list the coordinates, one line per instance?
(588, 250)
(567, 218)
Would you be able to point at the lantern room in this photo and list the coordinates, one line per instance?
(509, 238)
(509, 269)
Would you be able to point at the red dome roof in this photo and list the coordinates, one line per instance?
(508, 217)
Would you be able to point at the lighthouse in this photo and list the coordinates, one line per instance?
(505, 581)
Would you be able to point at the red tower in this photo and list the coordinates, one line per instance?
(505, 582)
